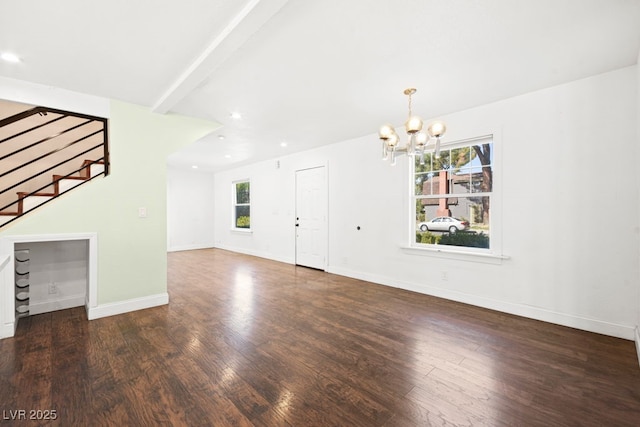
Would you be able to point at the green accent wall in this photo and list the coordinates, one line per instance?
(132, 251)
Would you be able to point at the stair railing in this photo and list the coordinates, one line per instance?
(34, 146)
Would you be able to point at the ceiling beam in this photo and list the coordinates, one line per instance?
(246, 23)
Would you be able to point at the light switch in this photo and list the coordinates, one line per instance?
(142, 212)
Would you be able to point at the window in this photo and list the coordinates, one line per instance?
(242, 205)
(452, 195)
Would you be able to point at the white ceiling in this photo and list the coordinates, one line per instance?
(311, 72)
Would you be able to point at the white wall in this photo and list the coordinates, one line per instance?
(190, 209)
(567, 161)
(272, 210)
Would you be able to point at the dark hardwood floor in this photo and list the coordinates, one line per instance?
(247, 341)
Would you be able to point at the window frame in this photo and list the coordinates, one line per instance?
(495, 233)
(235, 205)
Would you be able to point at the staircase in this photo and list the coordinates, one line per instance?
(45, 153)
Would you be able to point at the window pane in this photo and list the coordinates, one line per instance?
(426, 167)
(482, 180)
(454, 221)
(432, 183)
(483, 153)
(460, 157)
(423, 184)
(242, 193)
(461, 182)
(243, 216)
(444, 162)
(482, 169)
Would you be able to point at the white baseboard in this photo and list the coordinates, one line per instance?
(537, 313)
(60, 304)
(121, 307)
(8, 330)
(189, 247)
(260, 254)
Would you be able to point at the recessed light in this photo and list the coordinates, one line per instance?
(220, 137)
(194, 167)
(10, 57)
(227, 156)
(283, 144)
(235, 115)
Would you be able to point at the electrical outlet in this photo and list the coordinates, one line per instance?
(53, 289)
(444, 275)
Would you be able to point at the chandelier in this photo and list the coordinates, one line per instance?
(417, 139)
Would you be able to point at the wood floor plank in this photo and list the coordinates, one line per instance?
(252, 342)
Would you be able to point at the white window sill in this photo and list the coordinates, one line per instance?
(457, 254)
(242, 230)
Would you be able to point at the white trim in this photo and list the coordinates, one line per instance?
(465, 142)
(463, 255)
(58, 304)
(496, 194)
(121, 307)
(261, 254)
(32, 238)
(234, 196)
(638, 342)
(7, 293)
(92, 288)
(4, 260)
(53, 97)
(8, 330)
(245, 231)
(189, 247)
(325, 203)
(537, 313)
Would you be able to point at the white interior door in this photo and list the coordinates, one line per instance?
(311, 217)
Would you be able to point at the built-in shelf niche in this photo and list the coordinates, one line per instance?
(76, 263)
(57, 272)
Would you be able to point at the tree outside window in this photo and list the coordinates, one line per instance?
(452, 195)
(242, 205)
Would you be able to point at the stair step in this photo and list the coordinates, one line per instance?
(23, 195)
(96, 169)
(58, 177)
(61, 184)
(34, 200)
(64, 183)
(67, 184)
(91, 168)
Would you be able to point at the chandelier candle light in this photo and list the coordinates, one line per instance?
(418, 139)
